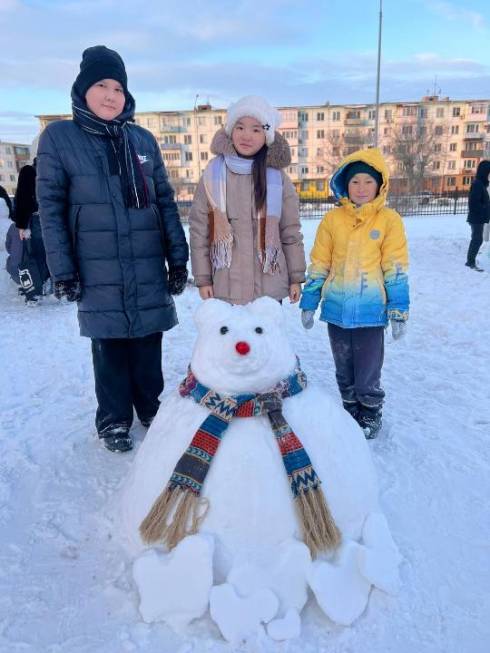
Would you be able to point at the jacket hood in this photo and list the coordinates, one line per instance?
(278, 154)
(372, 157)
(483, 171)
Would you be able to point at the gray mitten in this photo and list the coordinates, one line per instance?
(398, 329)
(307, 319)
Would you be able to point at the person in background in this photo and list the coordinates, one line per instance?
(358, 271)
(26, 218)
(245, 232)
(5, 196)
(110, 226)
(478, 212)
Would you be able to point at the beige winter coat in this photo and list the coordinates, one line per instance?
(244, 280)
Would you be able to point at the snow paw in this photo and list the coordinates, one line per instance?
(240, 619)
(174, 587)
(341, 590)
(288, 627)
(379, 559)
(283, 571)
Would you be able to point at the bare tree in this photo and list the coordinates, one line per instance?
(412, 149)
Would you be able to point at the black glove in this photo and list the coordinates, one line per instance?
(69, 289)
(177, 279)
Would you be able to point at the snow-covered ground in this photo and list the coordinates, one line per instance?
(65, 580)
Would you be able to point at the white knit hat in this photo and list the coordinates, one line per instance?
(254, 106)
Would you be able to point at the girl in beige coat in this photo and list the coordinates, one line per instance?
(244, 223)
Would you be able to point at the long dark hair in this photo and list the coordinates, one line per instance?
(259, 168)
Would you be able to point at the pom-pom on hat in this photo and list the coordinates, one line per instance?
(360, 166)
(257, 107)
(99, 62)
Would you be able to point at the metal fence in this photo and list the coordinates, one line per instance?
(311, 208)
(419, 204)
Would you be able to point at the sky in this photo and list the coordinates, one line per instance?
(294, 52)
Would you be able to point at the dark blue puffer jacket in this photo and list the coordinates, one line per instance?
(118, 253)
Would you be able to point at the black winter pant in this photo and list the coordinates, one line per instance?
(38, 267)
(358, 355)
(128, 372)
(475, 243)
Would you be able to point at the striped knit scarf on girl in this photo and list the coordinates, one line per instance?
(121, 154)
(179, 510)
(268, 239)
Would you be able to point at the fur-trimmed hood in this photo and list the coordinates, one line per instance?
(278, 154)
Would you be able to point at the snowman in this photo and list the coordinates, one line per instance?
(252, 488)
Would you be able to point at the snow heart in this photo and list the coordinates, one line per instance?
(251, 516)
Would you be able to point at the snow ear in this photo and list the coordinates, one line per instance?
(211, 311)
(268, 308)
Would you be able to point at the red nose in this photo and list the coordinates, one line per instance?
(242, 348)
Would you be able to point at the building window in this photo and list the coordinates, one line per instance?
(187, 139)
(218, 120)
(320, 170)
(174, 174)
(303, 116)
(439, 112)
(10, 164)
(409, 111)
(451, 181)
(170, 140)
(455, 129)
(304, 170)
(451, 165)
(204, 156)
(303, 151)
(201, 121)
(320, 116)
(371, 114)
(466, 181)
(388, 114)
(456, 112)
(8, 150)
(453, 147)
(469, 163)
(472, 128)
(189, 174)
(188, 122)
(335, 115)
(438, 130)
(12, 177)
(188, 156)
(320, 185)
(437, 147)
(407, 130)
(436, 165)
(422, 112)
(353, 115)
(320, 133)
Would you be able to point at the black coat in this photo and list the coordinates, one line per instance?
(118, 253)
(478, 200)
(25, 197)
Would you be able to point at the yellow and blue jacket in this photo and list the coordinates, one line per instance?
(359, 261)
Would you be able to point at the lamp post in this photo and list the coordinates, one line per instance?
(196, 133)
(376, 118)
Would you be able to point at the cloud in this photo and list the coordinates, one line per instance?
(456, 13)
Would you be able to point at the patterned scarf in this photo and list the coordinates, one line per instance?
(268, 239)
(121, 153)
(181, 499)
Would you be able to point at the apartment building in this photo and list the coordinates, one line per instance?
(12, 157)
(436, 142)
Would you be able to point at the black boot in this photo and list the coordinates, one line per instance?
(370, 420)
(117, 439)
(353, 408)
(474, 266)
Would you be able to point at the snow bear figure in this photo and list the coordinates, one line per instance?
(248, 550)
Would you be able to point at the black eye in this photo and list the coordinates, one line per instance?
(259, 330)
(223, 330)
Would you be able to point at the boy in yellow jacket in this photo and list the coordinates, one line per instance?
(358, 271)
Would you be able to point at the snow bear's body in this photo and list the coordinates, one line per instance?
(251, 509)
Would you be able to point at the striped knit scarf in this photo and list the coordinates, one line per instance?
(179, 510)
(268, 239)
(120, 150)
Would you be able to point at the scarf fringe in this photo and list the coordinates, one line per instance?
(220, 252)
(270, 260)
(320, 532)
(184, 507)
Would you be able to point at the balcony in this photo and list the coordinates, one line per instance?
(472, 154)
(171, 129)
(360, 122)
(354, 139)
(172, 146)
(474, 137)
